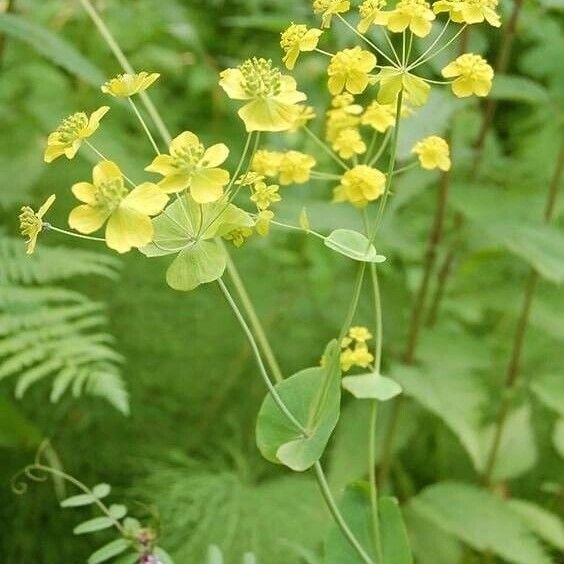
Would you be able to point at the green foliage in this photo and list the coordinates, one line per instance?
(353, 245)
(371, 386)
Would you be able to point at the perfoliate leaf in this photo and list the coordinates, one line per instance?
(313, 397)
(480, 519)
(371, 386)
(109, 551)
(96, 524)
(393, 536)
(354, 245)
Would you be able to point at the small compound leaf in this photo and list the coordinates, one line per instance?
(393, 535)
(354, 245)
(101, 490)
(371, 386)
(118, 511)
(313, 397)
(201, 263)
(78, 500)
(96, 524)
(355, 508)
(109, 551)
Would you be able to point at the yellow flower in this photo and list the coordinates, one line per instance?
(359, 356)
(272, 96)
(266, 163)
(360, 185)
(360, 334)
(191, 166)
(345, 102)
(433, 152)
(295, 168)
(66, 139)
(392, 80)
(328, 8)
(339, 120)
(295, 39)
(264, 195)
(349, 69)
(472, 75)
(262, 225)
(238, 236)
(127, 213)
(126, 85)
(413, 14)
(379, 116)
(469, 11)
(249, 178)
(31, 223)
(348, 143)
(303, 115)
(371, 14)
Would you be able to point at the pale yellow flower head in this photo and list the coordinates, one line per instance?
(339, 120)
(249, 179)
(349, 70)
(328, 8)
(303, 115)
(433, 152)
(345, 102)
(371, 13)
(264, 195)
(357, 356)
(295, 168)
(360, 185)
(348, 143)
(295, 39)
(68, 136)
(127, 213)
(263, 220)
(413, 14)
(126, 85)
(379, 116)
(189, 165)
(472, 75)
(238, 236)
(266, 163)
(360, 334)
(469, 11)
(31, 223)
(272, 96)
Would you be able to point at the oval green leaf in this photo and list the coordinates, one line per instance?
(371, 386)
(96, 524)
(354, 245)
(393, 535)
(108, 551)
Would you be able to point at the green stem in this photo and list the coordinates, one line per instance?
(254, 346)
(354, 302)
(431, 47)
(144, 125)
(325, 148)
(382, 148)
(372, 479)
(328, 496)
(50, 227)
(104, 158)
(440, 50)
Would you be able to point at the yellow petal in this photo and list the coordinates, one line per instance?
(162, 164)
(147, 198)
(215, 155)
(462, 87)
(85, 192)
(451, 70)
(45, 207)
(231, 80)
(106, 171)
(53, 152)
(71, 150)
(128, 228)
(267, 115)
(94, 121)
(174, 183)
(185, 139)
(208, 185)
(87, 219)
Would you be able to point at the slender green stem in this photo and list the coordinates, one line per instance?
(382, 148)
(296, 228)
(440, 50)
(324, 175)
(328, 496)
(371, 146)
(144, 125)
(431, 47)
(254, 346)
(354, 301)
(254, 319)
(409, 47)
(104, 158)
(373, 45)
(406, 168)
(372, 478)
(324, 146)
(50, 227)
(241, 160)
(324, 52)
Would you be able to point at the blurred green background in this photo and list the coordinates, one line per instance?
(185, 455)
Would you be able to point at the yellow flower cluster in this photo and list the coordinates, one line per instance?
(31, 223)
(472, 75)
(469, 11)
(127, 85)
(349, 70)
(328, 8)
(360, 185)
(291, 167)
(295, 39)
(355, 349)
(433, 152)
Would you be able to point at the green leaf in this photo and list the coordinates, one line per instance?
(395, 543)
(313, 397)
(480, 519)
(215, 555)
(163, 555)
(96, 524)
(201, 263)
(371, 386)
(109, 551)
(117, 511)
(355, 509)
(101, 490)
(78, 500)
(51, 46)
(354, 245)
(545, 524)
(549, 389)
(518, 89)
